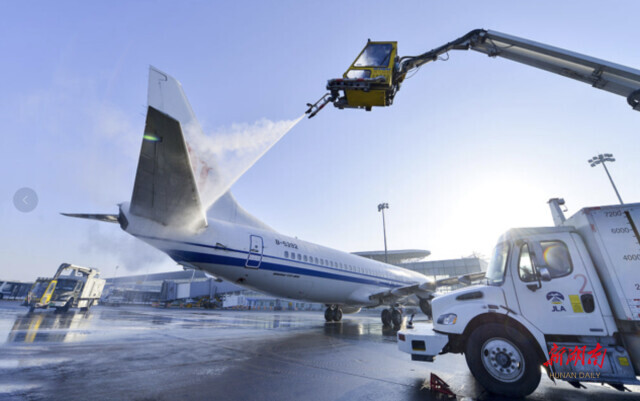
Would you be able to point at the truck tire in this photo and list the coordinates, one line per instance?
(503, 360)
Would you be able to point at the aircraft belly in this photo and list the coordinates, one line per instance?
(293, 286)
(273, 276)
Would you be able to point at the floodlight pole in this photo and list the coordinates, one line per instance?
(601, 159)
(381, 208)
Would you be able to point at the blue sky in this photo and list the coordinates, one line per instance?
(471, 147)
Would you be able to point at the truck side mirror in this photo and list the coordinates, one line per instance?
(544, 274)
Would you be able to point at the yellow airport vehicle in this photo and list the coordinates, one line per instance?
(41, 292)
(374, 78)
(71, 287)
(371, 80)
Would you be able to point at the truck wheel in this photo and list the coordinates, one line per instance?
(502, 360)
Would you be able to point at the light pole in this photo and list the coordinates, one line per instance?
(381, 208)
(600, 159)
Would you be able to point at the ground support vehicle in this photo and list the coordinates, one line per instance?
(378, 72)
(71, 287)
(566, 298)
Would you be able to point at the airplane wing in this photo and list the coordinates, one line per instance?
(424, 290)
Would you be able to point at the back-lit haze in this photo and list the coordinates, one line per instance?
(471, 146)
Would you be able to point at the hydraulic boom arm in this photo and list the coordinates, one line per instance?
(362, 88)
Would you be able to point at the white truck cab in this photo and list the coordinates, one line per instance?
(564, 297)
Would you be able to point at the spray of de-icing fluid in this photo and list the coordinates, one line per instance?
(221, 158)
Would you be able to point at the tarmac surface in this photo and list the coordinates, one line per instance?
(144, 353)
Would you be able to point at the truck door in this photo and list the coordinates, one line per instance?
(256, 247)
(565, 304)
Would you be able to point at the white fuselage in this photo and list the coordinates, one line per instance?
(273, 263)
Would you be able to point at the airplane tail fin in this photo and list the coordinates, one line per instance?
(165, 188)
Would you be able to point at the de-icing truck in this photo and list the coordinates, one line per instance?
(564, 298)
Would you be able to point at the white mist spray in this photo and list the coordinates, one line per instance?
(221, 158)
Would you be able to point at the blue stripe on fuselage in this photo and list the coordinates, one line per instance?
(199, 257)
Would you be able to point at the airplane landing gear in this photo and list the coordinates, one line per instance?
(386, 317)
(396, 318)
(391, 316)
(333, 313)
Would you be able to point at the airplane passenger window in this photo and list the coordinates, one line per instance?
(286, 254)
(316, 260)
(321, 261)
(299, 257)
(293, 255)
(305, 258)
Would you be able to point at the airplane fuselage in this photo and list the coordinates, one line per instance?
(272, 263)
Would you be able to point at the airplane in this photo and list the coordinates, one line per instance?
(227, 242)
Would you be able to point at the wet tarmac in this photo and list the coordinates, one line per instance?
(144, 353)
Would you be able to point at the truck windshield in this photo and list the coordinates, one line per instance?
(66, 285)
(39, 288)
(496, 269)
